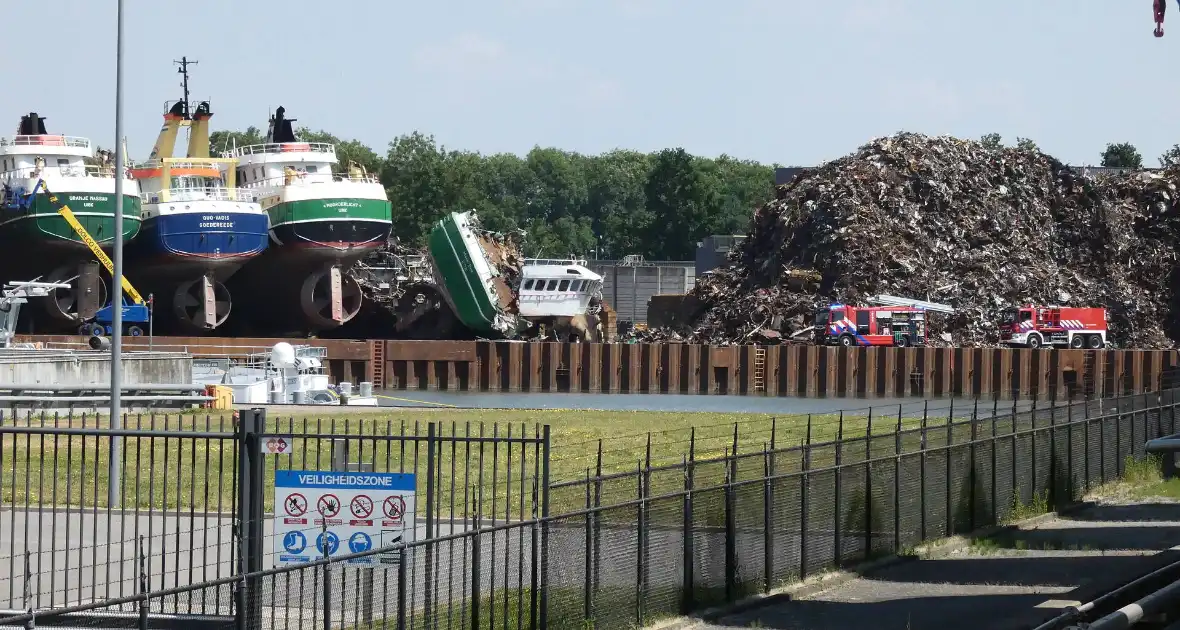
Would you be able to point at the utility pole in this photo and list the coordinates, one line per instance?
(114, 483)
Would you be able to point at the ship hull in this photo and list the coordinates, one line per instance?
(37, 239)
(467, 277)
(290, 285)
(176, 247)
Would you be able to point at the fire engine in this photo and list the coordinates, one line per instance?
(870, 326)
(1036, 326)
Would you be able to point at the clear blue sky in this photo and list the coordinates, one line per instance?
(788, 81)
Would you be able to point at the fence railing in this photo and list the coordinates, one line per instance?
(283, 147)
(610, 550)
(45, 141)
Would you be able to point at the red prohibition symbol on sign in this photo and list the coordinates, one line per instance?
(394, 507)
(296, 504)
(361, 506)
(328, 505)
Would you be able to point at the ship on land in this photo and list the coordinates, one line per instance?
(496, 293)
(198, 227)
(36, 240)
(322, 221)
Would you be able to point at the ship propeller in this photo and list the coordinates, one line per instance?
(315, 298)
(188, 304)
(63, 305)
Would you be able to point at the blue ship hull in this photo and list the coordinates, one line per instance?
(179, 247)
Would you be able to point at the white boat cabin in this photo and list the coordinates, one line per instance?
(555, 288)
(283, 161)
(34, 154)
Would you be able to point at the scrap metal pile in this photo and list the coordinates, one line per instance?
(955, 222)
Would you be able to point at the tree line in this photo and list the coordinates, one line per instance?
(622, 202)
(658, 205)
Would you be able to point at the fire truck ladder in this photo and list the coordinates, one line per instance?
(759, 369)
(892, 300)
(377, 361)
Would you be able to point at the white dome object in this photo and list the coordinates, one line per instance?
(282, 355)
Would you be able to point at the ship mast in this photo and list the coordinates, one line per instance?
(184, 63)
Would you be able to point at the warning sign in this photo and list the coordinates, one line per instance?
(360, 510)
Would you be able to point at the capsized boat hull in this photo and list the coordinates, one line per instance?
(477, 275)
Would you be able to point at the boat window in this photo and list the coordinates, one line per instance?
(552, 286)
(564, 286)
(528, 284)
(63, 162)
(311, 168)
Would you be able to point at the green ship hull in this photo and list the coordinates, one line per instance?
(465, 270)
(37, 239)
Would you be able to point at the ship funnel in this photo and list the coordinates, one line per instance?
(198, 132)
(280, 128)
(31, 125)
(166, 142)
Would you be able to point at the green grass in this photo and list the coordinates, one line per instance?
(1142, 480)
(187, 472)
(181, 473)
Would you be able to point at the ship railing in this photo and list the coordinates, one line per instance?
(282, 148)
(71, 170)
(45, 141)
(555, 261)
(206, 193)
(309, 179)
(227, 352)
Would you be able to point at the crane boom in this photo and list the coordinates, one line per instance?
(102, 257)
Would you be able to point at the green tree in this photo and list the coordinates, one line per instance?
(347, 151)
(415, 175)
(1171, 157)
(1025, 144)
(992, 141)
(221, 142)
(1122, 155)
(617, 201)
(682, 203)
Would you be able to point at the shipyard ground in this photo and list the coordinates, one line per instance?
(1015, 580)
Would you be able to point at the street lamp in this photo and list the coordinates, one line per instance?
(116, 456)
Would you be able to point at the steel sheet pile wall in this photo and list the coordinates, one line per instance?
(799, 371)
(802, 371)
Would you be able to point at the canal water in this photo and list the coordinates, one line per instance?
(680, 403)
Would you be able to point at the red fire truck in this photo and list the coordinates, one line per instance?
(840, 324)
(1035, 326)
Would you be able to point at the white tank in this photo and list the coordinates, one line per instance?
(282, 355)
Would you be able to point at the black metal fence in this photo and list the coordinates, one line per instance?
(623, 549)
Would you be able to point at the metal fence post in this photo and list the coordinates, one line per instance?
(804, 501)
(897, 484)
(431, 465)
(730, 533)
(950, 440)
(588, 582)
(1054, 499)
(640, 547)
(868, 502)
(768, 523)
(995, 515)
(545, 442)
(402, 576)
(922, 470)
(1069, 449)
(688, 601)
(143, 587)
(251, 425)
(327, 571)
(972, 472)
(838, 468)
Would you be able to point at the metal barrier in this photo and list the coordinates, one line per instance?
(94, 396)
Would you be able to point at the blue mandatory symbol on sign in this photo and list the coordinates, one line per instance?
(294, 542)
(332, 541)
(359, 542)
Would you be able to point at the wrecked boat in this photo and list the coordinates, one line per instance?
(478, 273)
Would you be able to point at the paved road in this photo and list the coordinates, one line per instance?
(1023, 581)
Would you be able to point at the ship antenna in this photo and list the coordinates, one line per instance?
(184, 63)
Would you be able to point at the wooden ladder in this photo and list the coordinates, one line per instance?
(377, 363)
(759, 369)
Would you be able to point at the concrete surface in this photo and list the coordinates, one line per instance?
(82, 367)
(1026, 578)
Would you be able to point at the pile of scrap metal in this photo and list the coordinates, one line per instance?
(952, 221)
